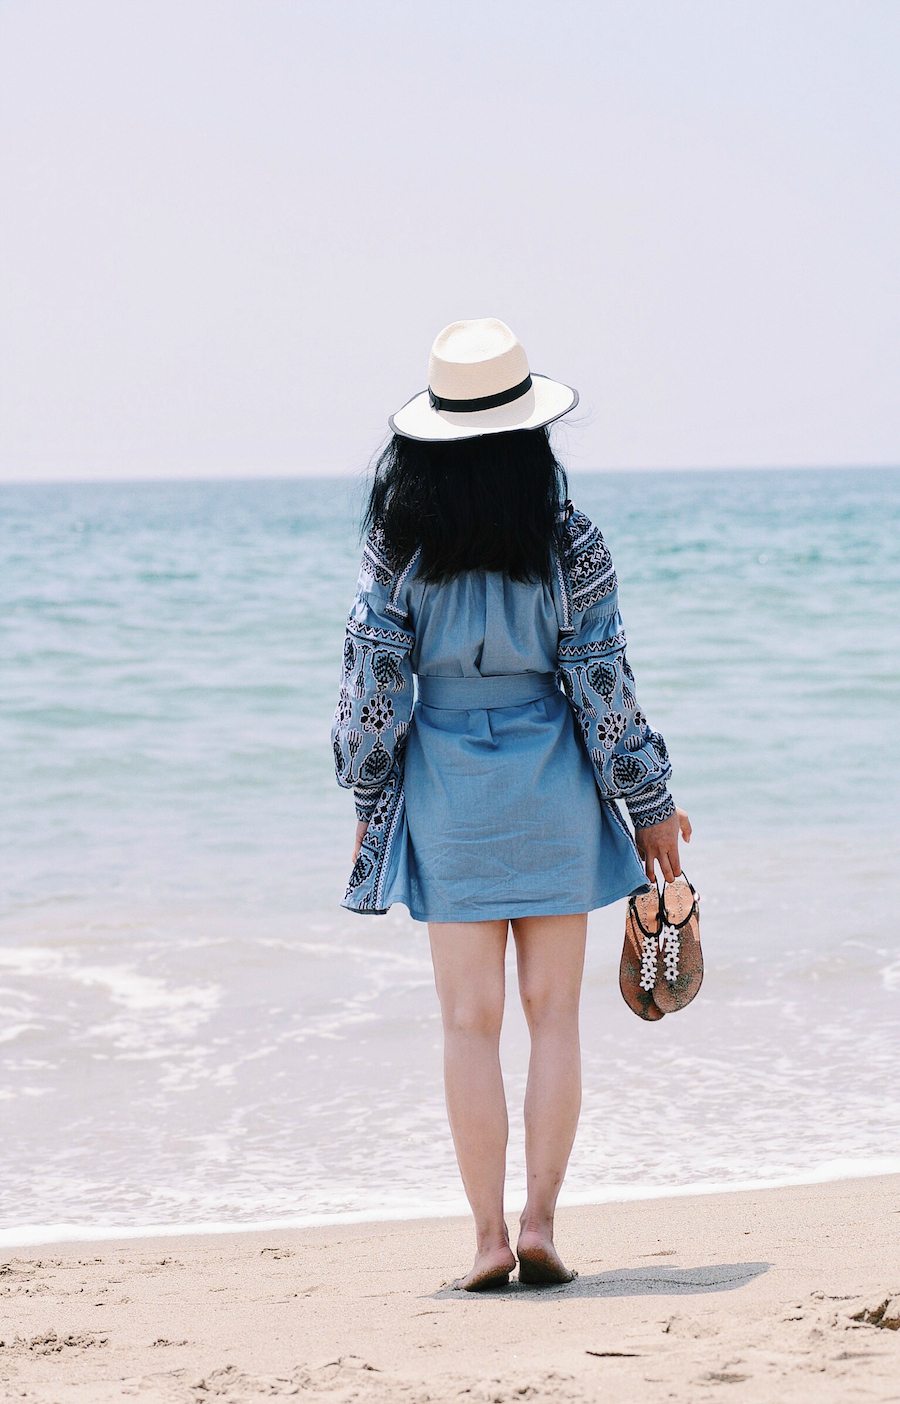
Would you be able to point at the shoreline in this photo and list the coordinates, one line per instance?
(779, 1291)
(50, 1235)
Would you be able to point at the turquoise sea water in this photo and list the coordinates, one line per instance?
(193, 1030)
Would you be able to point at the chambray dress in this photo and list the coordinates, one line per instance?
(488, 728)
(501, 801)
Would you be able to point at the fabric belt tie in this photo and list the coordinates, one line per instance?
(493, 690)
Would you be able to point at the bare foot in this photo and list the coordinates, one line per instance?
(491, 1269)
(539, 1262)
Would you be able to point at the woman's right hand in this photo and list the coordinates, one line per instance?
(658, 843)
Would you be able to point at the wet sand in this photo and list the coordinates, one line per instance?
(753, 1295)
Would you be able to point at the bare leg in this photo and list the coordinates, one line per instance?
(550, 960)
(469, 976)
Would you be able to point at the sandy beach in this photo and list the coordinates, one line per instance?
(762, 1294)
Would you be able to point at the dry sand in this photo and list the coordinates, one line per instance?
(748, 1296)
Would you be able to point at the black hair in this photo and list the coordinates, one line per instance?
(492, 501)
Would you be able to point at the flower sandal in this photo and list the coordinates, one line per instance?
(679, 972)
(640, 953)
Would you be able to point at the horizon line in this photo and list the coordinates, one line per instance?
(363, 474)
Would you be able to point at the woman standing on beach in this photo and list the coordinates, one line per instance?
(485, 791)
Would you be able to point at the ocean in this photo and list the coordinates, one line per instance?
(194, 1033)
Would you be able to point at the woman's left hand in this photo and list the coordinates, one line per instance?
(658, 843)
(361, 827)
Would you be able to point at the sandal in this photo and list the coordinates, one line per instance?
(638, 967)
(679, 972)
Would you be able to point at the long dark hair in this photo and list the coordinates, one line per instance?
(491, 502)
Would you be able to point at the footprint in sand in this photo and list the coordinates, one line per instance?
(50, 1343)
(884, 1313)
(20, 1280)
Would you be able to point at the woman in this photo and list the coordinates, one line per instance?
(485, 791)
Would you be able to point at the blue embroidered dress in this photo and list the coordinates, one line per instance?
(487, 728)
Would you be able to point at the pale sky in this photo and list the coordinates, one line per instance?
(230, 229)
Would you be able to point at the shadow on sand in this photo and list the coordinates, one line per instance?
(631, 1282)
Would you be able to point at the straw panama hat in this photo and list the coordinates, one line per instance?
(479, 382)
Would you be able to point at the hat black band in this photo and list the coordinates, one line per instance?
(503, 397)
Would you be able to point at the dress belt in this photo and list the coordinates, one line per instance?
(492, 690)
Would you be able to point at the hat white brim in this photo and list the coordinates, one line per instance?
(545, 401)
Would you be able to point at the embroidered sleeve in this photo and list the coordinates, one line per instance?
(630, 759)
(589, 566)
(375, 701)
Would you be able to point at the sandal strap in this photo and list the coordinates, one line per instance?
(651, 935)
(667, 921)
